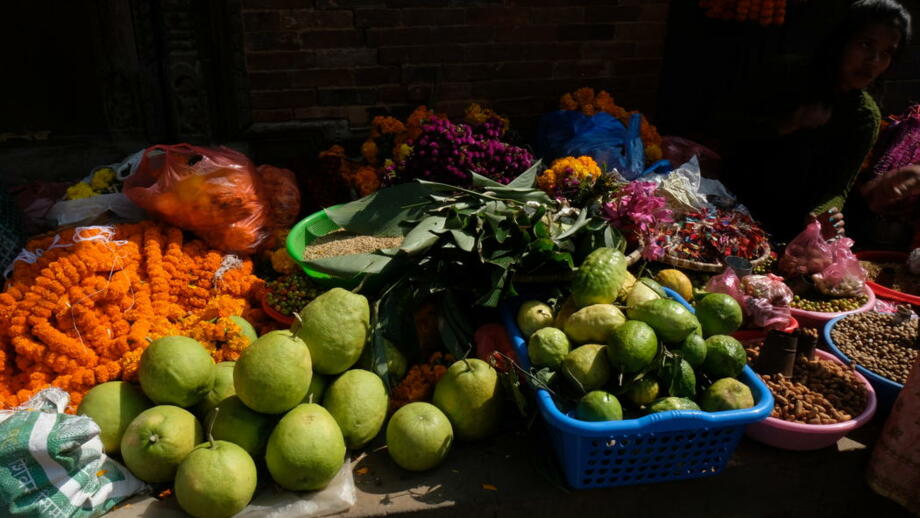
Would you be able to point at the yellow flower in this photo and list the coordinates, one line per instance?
(369, 151)
(583, 169)
(102, 179)
(282, 261)
(403, 151)
(80, 191)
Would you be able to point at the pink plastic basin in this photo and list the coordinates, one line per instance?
(743, 335)
(818, 319)
(795, 436)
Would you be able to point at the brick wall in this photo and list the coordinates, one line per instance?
(353, 59)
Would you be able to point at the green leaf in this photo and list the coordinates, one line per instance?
(423, 235)
(512, 388)
(482, 181)
(350, 265)
(382, 213)
(578, 225)
(541, 230)
(528, 177)
(465, 241)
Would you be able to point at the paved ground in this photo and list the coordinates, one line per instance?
(759, 482)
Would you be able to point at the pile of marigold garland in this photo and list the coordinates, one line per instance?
(83, 311)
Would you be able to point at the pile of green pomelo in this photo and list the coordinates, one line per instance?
(658, 356)
(205, 428)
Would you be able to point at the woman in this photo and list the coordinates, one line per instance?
(799, 157)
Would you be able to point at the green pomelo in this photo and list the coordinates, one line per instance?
(594, 324)
(726, 394)
(358, 402)
(158, 440)
(672, 403)
(587, 367)
(640, 294)
(628, 282)
(419, 436)
(235, 422)
(694, 350)
(725, 357)
(682, 380)
(565, 311)
(469, 394)
(533, 315)
(306, 449)
(176, 370)
(113, 406)
(396, 361)
(246, 328)
(643, 391)
(599, 278)
(654, 286)
(335, 326)
(273, 374)
(671, 321)
(216, 480)
(222, 389)
(632, 347)
(598, 405)
(317, 389)
(547, 347)
(719, 314)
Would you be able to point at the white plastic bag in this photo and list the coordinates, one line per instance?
(338, 496)
(71, 212)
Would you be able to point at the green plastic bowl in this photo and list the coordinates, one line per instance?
(305, 232)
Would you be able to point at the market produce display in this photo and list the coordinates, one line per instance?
(896, 276)
(288, 294)
(883, 343)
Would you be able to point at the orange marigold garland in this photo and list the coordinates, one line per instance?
(84, 311)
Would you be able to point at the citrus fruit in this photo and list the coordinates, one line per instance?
(176, 370)
(112, 406)
(396, 361)
(335, 326)
(599, 278)
(157, 441)
(632, 347)
(235, 422)
(469, 394)
(677, 281)
(627, 287)
(246, 328)
(719, 314)
(273, 374)
(306, 449)
(562, 316)
(643, 391)
(222, 389)
(419, 436)
(640, 294)
(533, 315)
(671, 321)
(594, 323)
(317, 389)
(693, 350)
(216, 480)
(598, 405)
(547, 347)
(682, 379)
(672, 403)
(725, 357)
(587, 367)
(358, 402)
(726, 394)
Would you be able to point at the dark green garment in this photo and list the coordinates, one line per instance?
(784, 178)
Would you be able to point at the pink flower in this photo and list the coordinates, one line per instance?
(637, 208)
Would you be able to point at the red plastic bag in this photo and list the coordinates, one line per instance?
(213, 192)
(727, 282)
(845, 277)
(808, 253)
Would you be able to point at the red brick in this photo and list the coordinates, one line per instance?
(398, 36)
(393, 55)
(323, 78)
(392, 94)
(279, 115)
(607, 50)
(462, 34)
(274, 4)
(586, 32)
(269, 80)
(256, 61)
(328, 39)
(498, 15)
(641, 83)
(555, 15)
(640, 31)
(335, 58)
(349, 4)
(282, 99)
(453, 91)
(417, 3)
(494, 52)
(650, 49)
(272, 41)
(377, 17)
(434, 17)
(347, 96)
(636, 66)
(321, 112)
(453, 109)
(358, 116)
(654, 12)
(522, 106)
(435, 53)
(590, 69)
(526, 33)
(377, 75)
(258, 21)
(609, 14)
(303, 19)
(419, 94)
(420, 74)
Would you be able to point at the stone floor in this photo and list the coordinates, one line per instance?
(512, 475)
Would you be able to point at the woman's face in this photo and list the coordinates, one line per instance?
(867, 55)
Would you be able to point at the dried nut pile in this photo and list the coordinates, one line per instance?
(810, 331)
(837, 305)
(883, 343)
(339, 243)
(820, 392)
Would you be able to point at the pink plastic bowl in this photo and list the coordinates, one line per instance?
(795, 436)
(818, 319)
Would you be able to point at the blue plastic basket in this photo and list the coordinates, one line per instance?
(886, 390)
(673, 445)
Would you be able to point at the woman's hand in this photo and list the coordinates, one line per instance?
(832, 224)
(887, 193)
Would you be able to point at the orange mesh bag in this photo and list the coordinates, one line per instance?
(213, 192)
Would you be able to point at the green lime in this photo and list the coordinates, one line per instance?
(632, 347)
(672, 403)
(586, 367)
(643, 391)
(599, 406)
(682, 379)
(547, 347)
(719, 314)
(694, 350)
(726, 394)
(725, 357)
